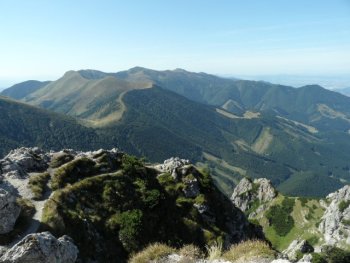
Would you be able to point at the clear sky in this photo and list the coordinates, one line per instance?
(42, 39)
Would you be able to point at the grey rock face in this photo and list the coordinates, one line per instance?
(23, 160)
(248, 192)
(42, 248)
(191, 187)
(298, 246)
(334, 223)
(9, 211)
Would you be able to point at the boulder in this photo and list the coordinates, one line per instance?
(296, 247)
(9, 211)
(248, 192)
(23, 160)
(42, 248)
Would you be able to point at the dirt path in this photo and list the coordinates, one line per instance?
(21, 189)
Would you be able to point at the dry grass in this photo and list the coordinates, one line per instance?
(191, 252)
(214, 251)
(152, 253)
(249, 250)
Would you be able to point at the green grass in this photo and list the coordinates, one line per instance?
(133, 207)
(38, 184)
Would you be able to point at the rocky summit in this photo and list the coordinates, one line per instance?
(106, 198)
(106, 205)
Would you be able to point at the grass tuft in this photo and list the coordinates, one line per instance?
(153, 252)
(249, 250)
(38, 184)
(214, 251)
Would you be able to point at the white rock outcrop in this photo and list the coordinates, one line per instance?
(248, 192)
(335, 223)
(9, 211)
(297, 246)
(175, 166)
(42, 248)
(23, 160)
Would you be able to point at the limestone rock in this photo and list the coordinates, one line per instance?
(42, 248)
(175, 166)
(334, 223)
(191, 188)
(9, 211)
(248, 192)
(298, 246)
(23, 160)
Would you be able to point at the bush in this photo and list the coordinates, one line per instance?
(61, 159)
(152, 253)
(38, 184)
(343, 205)
(130, 229)
(280, 218)
(73, 172)
(249, 250)
(130, 164)
(336, 255)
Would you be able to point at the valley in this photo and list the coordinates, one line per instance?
(285, 134)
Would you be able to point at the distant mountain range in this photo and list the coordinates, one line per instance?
(298, 138)
(344, 91)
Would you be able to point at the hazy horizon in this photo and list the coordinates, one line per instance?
(339, 81)
(231, 38)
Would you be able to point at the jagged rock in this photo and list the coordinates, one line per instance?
(9, 211)
(191, 188)
(23, 160)
(335, 222)
(298, 246)
(175, 166)
(247, 192)
(42, 248)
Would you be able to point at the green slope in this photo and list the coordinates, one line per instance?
(24, 125)
(313, 105)
(21, 90)
(96, 100)
(159, 124)
(297, 131)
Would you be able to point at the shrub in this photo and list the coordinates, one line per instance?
(249, 250)
(130, 164)
(335, 255)
(60, 160)
(343, 205)
(130, 229)
(153, 252)
(73, 172)
(280, 218)
(317, 258)
(38, 184)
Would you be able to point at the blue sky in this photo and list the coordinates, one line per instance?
(43, 39)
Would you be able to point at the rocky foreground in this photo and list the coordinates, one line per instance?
(103, 206)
